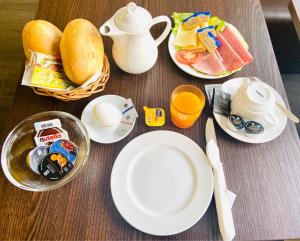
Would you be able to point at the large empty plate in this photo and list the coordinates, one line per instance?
(162, 183)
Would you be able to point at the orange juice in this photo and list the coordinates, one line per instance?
(187, 103)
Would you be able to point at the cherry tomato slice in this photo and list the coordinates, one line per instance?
(188, 56)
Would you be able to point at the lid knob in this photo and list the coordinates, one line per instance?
(131, 7)
(133, 19)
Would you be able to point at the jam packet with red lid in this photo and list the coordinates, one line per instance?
(48, 132)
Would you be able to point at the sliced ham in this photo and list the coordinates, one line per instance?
(230, 59)
(237, 45)
(210, 64)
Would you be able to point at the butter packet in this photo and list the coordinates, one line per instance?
(206, 30)
(45, 71)
(154, 116)
(129, 114)
(197, 19)
(209, 41)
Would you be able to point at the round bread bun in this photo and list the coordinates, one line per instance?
(82, 50)
(41, 36)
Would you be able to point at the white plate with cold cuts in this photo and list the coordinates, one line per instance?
(98, 133)
(269, 134)
(190, 70)
(162, 183)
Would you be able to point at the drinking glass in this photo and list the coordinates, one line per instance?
(187, 103)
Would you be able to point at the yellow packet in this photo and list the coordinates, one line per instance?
(48, 78)
(45, 71)
(154, 116)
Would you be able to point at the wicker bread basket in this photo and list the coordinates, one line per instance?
(80, 92)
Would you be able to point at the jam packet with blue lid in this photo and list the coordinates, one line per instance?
(65, 147)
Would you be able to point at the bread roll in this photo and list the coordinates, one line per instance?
(41, 36)
(82, 51)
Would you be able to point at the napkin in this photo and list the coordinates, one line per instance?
(223, 197)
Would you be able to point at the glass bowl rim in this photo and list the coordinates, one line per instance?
(58, 184)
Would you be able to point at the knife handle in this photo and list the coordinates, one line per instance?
(223, 205)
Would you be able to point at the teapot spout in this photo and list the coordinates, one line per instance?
(110, 29)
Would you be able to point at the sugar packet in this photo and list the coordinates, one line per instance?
(222, 100)
(129, 114)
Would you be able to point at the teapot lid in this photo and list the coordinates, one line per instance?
(133, 19)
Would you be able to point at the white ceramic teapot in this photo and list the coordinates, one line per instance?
(134, 49)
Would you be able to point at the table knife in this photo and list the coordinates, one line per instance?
(223, 198)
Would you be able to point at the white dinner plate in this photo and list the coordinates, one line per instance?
(190, 70)
(269, 134)
(162, 183)
(99, 133)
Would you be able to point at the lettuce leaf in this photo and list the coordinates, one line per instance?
(178, 18)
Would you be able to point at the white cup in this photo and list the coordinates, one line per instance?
(255, 101)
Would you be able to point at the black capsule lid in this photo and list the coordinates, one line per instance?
(237, 121)
(253, 127)
(54, 166)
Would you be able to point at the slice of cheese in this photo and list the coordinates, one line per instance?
(187, 39)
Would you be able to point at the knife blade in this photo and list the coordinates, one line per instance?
(210, 130)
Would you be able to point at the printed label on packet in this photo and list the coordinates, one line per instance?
(65, 147)
(154, 116)
(222, 103)
(54, 166)
(49, 132)
(129, 114)
(222, 100)
(209, 41)
(209, 90)
(45, 71)
(35, 157)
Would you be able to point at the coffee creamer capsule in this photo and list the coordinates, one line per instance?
(253, 129)
(35, 157)
(235, 122)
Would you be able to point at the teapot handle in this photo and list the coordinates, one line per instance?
(165, 33)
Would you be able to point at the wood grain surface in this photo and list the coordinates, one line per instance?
(13, 16)
(265, 177)
(294, 7)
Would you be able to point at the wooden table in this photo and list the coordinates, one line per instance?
(294, 7)
(265, 177)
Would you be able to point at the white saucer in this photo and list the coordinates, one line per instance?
(269, 134)
(99, 133)
(190, 70)
(162, 183)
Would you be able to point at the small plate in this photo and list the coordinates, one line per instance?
(99, 133)
(190, 70)
(269, 134)
(162, 183)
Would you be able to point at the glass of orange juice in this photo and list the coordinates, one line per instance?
(187, 102)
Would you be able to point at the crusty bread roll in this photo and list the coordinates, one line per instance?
(41, 36)
(81, 50)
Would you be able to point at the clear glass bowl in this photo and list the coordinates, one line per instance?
(20, 142)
